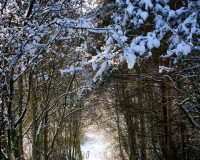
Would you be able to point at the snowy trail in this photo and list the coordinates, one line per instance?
(97, 145)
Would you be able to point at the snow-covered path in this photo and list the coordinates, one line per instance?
(97, 145)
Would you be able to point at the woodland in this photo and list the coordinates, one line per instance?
(131, 67)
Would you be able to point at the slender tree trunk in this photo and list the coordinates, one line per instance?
(46, 136)
(166, 99)
(164, 121)
(33, 112)
(10, 128)
(2, 132)
(119, 133)
(169, 143)
(181, 123)
(131, 134)
(126, 106)
(48, 90)
(5, 154)
(20, 113)
(142, 124)
(16, 134)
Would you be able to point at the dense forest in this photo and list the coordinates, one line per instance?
(131, 67)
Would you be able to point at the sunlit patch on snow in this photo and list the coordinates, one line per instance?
(97, 145)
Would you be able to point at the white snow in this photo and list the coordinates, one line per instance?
(130, 9)
(138, 48)
(152, 41)
(144, 15)
(130, 57)
(147, 3)
(183, 48)
(97, 145)
(100, 71)
(94, 66)
(39, 128)
(166, 69)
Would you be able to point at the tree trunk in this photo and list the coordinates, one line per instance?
(33, 112)
(142, 124)
(166, 99)
(9, 102)
(180, 120)
(2, 132)
(20, 113)
(45, 136)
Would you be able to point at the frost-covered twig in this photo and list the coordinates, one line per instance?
(92, 85)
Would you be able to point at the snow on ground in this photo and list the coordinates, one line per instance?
(97, 145)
